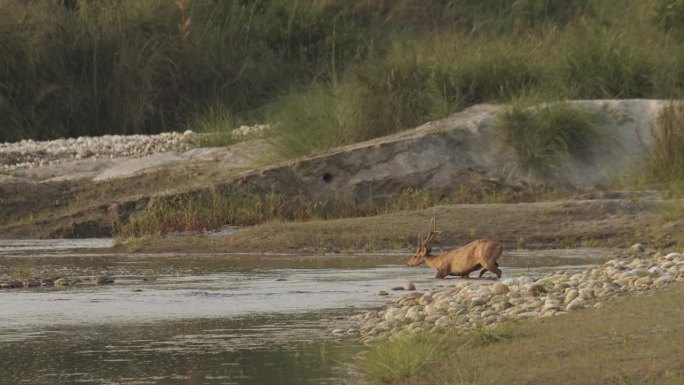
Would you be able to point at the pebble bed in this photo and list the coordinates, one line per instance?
(29, 153)
(467, 306)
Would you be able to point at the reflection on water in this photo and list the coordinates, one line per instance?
(233, 319)
(247, 351)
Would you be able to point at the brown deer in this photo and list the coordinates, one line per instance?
(480, 254)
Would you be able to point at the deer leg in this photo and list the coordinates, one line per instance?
(494, 268)
(442, 273)
(482, 272)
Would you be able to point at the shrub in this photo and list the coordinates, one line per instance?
(402, 355)
(665, 159)
(545, 138)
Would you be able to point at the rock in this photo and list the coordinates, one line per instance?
(396, 288)
(381, 293)
(425, 299)
(499, 289)
(31, 282)
(417, 295)
(637, 248)
(643, 282)
(103, 280)
(394, 314)
(577, 303)
(570, 295)
(410, 286)
(61, 282)
(665, 279)
(586, 294)
(11, 284)
(535, 290)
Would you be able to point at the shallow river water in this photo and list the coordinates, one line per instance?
(214, 319)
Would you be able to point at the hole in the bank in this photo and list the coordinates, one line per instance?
(327, 177)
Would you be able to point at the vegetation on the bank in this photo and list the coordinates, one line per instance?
(230, 205)
(244, 206)
(86, 67)
(547, 138)
(664, 164)
(616, 343)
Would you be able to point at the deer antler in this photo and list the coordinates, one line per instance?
(433, 232)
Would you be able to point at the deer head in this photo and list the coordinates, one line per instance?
(424, 248)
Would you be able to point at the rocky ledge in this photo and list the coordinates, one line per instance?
(466, 306)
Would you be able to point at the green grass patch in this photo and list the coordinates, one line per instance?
(546, 138)
(400, 356)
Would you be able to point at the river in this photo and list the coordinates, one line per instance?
(207, 319)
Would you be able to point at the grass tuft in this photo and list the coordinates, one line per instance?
(665, 159)
(545, 138)
(483, 335)
(400, 356)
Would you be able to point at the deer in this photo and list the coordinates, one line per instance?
(479, 254)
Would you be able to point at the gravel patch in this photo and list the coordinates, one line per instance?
(466, 306)
(29, 154)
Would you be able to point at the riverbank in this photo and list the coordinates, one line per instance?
(469, 304)
(632, 340)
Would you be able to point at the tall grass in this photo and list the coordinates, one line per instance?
(665, 160)
(545, 138)
(337, 71)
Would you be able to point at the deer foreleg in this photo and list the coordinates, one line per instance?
(442, 273)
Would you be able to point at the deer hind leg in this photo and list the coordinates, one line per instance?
(493, 267)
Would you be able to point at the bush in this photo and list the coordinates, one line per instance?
(665, 160)
(402, 355)
(544, 139)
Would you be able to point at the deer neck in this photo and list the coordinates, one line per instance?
(433, 260)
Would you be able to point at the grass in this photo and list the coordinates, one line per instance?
(224, 205)
(322, 72)
(403, 355)
(665, 160)
(547, 138)
(633, 341)
(245, 206)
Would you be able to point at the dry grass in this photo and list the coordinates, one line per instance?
(635, 341)
(564, 223)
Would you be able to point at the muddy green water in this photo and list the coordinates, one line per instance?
(214, 319)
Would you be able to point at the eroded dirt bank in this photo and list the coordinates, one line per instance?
(462, 153)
